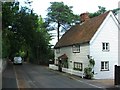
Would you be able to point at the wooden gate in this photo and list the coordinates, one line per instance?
(117, 75)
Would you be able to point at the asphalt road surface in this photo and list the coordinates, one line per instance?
(8, 77)
(36, 76)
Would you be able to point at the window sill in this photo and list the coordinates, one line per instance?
(105, 50)
(77, 69)
(76, 52)
(104, 70)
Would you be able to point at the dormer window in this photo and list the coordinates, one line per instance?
(76, 48)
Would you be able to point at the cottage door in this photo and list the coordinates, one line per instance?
(60, 65)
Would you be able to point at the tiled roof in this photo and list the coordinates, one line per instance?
(81, 33)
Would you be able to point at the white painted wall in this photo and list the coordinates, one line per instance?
(82, 56)
(67, 51)
(119, 38)
(108, 32)
(75, 57)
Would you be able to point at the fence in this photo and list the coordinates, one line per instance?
(117, 75)
(66, 70)
(52, 66)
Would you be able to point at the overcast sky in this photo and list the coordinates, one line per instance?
(79, 6)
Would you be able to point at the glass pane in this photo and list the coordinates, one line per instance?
(76, 48)
(75, 65)
(103, 46)
(102, 65)
(106, 65)
(107, 46)
(80, 65)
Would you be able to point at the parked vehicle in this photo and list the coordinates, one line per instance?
(18, 60)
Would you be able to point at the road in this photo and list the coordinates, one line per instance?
(36, 76)
(8, 77)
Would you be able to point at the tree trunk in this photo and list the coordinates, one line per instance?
(58, 32)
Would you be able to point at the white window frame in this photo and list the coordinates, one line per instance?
(76, 48)
(105, 66)
(78, 65)
(105, 46)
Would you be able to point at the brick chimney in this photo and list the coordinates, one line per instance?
(84, 17)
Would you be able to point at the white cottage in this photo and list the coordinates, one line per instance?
(96, 37)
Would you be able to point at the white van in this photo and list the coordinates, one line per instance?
(17, 60)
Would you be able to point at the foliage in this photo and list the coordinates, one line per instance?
(91, 62)
(88, 71)
(103, 10)
(65, 63)
(60, 14)
(61, 19)
(116, 11)
(24, 32)
(6, 43)
(97, 13)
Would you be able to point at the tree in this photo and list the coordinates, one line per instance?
(116, 11)
(103, 10)
(25, 33)
(60, 14)
(97, 13)
(9, 10)
(41, 45)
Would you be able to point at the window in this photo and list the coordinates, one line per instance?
(104, 65)
(105, 46)
(77, 66)
(58, 50)
(76, 48)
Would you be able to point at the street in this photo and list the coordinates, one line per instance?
(36, 76)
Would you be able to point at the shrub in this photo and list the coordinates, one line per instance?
(88, 71)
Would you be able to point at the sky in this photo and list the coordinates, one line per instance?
(79, 6)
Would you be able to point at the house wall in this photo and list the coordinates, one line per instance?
(108, 32)
(119, 37)
(119, 44)
(64, 50)
(82, 56)
(75, 57)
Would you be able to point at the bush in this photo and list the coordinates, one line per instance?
(88, 72)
